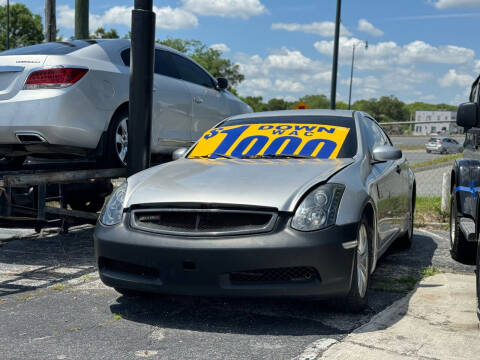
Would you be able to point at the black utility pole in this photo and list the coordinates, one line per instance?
(333, 92)
(81, 19)
(141, 86)
(50, 21)
(8, 24)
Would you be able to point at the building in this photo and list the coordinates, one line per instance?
(443, 122)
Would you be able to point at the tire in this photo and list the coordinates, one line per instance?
(12, 163)
(405, 241)
(116, 147)
(92, 206)
(357, 299)
(428, 151)
(461, 249)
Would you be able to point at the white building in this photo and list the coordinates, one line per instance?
(443, 122)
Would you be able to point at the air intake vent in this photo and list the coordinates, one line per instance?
(275, 276)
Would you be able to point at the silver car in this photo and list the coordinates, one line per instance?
(443, 145)
(71, 98)
(287, 203)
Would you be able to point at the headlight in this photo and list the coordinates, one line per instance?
(113, 211)
(319, 209)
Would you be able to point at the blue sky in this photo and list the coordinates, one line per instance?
(419, 50)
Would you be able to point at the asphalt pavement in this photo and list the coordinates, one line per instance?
(53, 306)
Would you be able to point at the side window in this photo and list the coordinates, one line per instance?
(189, 71)
(164, 65)
(375, 135)
(126, 57)
(474, 94)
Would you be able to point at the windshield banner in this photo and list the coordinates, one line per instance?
(321, 141)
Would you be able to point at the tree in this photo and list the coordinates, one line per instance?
(25, 28)
(316, 101)
(209, 58)
(101, 33)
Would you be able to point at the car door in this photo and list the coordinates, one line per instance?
(210, 105)
(385, 180)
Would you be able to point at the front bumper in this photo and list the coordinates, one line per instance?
(150, 262)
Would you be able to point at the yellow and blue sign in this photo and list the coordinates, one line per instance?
(321, 141)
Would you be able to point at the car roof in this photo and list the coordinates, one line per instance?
(296, 113)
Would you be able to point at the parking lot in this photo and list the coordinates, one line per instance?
(53, 306)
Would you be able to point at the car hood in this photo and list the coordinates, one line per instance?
(276, 183)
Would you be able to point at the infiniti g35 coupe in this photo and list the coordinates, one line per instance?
(288, 203)
(71, 98)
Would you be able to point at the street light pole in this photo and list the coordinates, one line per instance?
(141, 87)
(333, 91)
(351, 73)
(8, 24)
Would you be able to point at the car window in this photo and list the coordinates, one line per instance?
(163, 63)
(323, 137)
(375, 135)
(51, 48)
(190, 72)
(454, 141)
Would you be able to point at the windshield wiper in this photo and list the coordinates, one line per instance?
(214, 154)
(278, 156)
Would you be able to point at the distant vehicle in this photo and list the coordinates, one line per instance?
(443, 145)
(71, 98)
(286, 203)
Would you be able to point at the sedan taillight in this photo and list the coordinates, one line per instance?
(54, 78)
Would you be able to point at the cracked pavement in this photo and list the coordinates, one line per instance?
(53, 306)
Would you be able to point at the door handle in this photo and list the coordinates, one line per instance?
(198, 100)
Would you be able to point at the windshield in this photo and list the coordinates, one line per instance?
(322, 137)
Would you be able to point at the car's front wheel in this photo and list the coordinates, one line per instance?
(461, 249)
(357, 299)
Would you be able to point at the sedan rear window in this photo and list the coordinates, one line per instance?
(323, 137)
(51, 48)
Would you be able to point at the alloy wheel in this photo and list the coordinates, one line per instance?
(362, 261)
(121, 140)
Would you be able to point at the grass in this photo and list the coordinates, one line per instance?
(430, 271)
(26, 296)
(117, 316)
(439, 160)
(429, 210)
(58, 287)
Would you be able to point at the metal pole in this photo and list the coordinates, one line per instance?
(351, 78)
(50, 21)
(81, 19)
(333, 92)
(8, 24)
(141, 86)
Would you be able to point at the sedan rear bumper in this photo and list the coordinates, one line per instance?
(277, 264)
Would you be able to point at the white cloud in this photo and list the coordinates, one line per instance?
(167, 18)
(289, 59)
(384, 54)
(324, 28)
(452, 78)
(367, 27)
(288, 86)
(220, 47)
(445, 4)
(225, 8)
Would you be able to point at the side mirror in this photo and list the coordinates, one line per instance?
(467, 115)
(179, 153)
(386, 153)
(222, 83)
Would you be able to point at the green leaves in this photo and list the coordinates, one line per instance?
(25, 27)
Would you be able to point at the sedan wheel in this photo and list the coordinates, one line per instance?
(357, 300)
(121, 141)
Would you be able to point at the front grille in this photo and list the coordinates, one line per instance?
(201, 222)
(273, 276)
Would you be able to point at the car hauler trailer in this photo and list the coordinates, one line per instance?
(27, 196)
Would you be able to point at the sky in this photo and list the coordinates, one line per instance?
(418, 50)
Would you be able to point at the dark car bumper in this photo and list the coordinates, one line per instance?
(284, 262)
